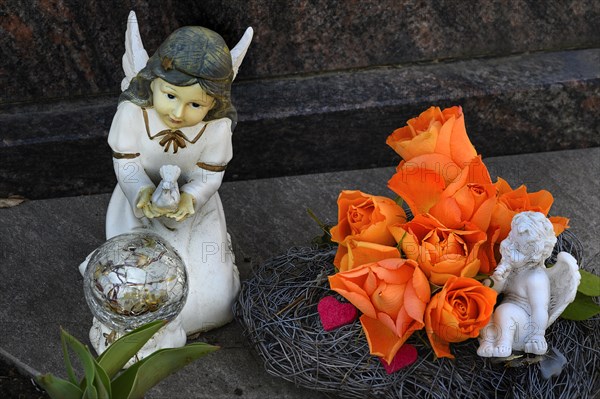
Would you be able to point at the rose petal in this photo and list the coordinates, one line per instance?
(442, 164)
(448, 211)
(361, 252)
(395, 270)
(420, 188)
(559, 224)
(542, 199)
(357, 297)
(388, 298)
(413, 305)
(383, 342)
(421, 285)
(483, 214)
(460, 146)
(423, 143)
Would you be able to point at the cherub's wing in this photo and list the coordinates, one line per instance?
(564, 279)
(239, 51)
(135, 56)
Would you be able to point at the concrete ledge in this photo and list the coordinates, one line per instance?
(315, 124)
(42, 242)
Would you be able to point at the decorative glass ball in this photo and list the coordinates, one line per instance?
(133, 279)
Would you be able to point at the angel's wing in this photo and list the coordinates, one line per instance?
(564, 279)
(135, 56)
(239, 51)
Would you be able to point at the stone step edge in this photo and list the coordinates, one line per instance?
(331, 122)
(331, 92)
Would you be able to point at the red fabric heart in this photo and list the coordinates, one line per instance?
(335, 314)
(406, 356)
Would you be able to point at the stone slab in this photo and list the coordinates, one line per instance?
(42, 242)
(60, 49)
(518, 104)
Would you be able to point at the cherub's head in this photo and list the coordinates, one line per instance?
(531, 239)
(195, 61)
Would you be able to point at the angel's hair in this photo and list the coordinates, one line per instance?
(533, 229)
(190, 55)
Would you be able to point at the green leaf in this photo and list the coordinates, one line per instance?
(589, 284)
(398, 200)
(57, 388)
(90, 392)
(116, 355)
(67, 358)
(582, 308)
(86, 359)
(399, 245)
(102, 382)
(100, 387)
(434, 288)
(134, 382)
(481, 277)
(325, 239)
(322, 225)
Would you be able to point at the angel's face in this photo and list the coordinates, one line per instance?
(522, 248)
(180, 106)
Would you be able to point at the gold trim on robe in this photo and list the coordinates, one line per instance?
(171, 137)
(120, 155)
(211, 168)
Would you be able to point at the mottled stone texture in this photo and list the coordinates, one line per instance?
(323, 84)
(63, 48)
(327, 122)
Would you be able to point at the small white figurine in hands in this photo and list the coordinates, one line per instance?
(166, 196)
(175, 121)
(534, 296)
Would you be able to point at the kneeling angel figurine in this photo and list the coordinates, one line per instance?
(176, 110)
(534, 296)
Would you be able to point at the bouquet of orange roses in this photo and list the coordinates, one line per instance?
(405, 275)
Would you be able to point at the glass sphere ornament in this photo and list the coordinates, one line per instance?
(133, 279)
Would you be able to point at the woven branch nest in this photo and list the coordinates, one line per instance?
(278, 310)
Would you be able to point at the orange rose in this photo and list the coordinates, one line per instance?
(392, 295)
(440, 251)
(362, 252)
(434, 131)
(457, 313)
(510, 202)
(364, 217)
(469, 197)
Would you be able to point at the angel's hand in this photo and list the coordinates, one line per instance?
(498, 278)
(185, 208)
(145, 203)
(501, 271)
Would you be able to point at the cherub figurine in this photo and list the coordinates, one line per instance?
(176, 110)
(534, 296)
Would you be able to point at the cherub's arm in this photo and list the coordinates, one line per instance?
(205, 179)
(500, 275)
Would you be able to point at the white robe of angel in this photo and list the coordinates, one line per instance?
(201, 240)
